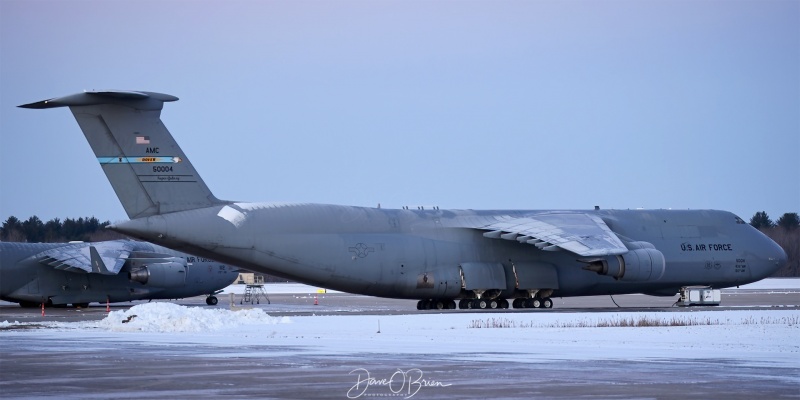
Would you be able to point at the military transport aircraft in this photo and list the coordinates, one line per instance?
(479, 258)
(119, 270)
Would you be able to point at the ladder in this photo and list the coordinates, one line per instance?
(254, 293)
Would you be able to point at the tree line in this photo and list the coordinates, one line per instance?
(785, 231)
(34, 230)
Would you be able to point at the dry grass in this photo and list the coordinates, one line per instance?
(631, 322)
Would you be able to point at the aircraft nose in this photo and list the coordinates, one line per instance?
(228, 279)
(774, 258)
(780, 258)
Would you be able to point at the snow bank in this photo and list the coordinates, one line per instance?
(168, 317)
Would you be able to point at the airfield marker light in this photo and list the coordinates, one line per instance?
(316, 303)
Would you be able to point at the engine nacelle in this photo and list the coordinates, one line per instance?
(166, 275)
(642, 263)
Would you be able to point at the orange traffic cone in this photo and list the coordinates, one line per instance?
(108, 306)
(43, 309)
(316, 303)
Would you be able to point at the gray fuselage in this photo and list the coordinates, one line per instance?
(386, 252)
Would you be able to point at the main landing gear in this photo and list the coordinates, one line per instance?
(436, 304)
(464, 304)
(535, 302)
(484, 304)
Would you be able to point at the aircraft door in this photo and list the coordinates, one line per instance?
(483, 276)
(536, 275)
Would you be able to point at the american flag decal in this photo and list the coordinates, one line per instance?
(143, 140)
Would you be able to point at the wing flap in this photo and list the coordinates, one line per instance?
(580, 233)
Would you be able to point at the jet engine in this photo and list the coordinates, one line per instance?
(642, 263)
(167, 275)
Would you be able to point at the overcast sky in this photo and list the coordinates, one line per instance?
(460, 104)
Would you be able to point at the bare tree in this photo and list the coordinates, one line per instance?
(101, 235)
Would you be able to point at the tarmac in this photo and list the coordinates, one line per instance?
(34, 368)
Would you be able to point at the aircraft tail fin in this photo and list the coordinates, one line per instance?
(148, 170)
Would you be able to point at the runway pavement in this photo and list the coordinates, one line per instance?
(40, 370)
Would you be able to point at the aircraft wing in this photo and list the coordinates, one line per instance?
(105, 258)
(583, 234)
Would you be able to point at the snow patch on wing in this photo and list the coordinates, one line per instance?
(232, 215)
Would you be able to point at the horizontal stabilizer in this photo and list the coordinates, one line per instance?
(141, 100)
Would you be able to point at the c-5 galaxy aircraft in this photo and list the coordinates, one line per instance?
(113, 271)
(481, 259)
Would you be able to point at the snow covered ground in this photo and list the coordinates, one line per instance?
(750, 337)
(279, 288)
(772, 283)
(753, 337)
(691, 352)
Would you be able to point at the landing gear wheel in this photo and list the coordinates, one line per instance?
(463, 304)
(425, 304)
(547, 302)
(502, 303)
(212, 300)
(518, 303)
(451, 305)
(479, 304)
(493, 304)
(532, 303)
(438, 304)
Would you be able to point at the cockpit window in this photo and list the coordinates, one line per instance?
(739, 220)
